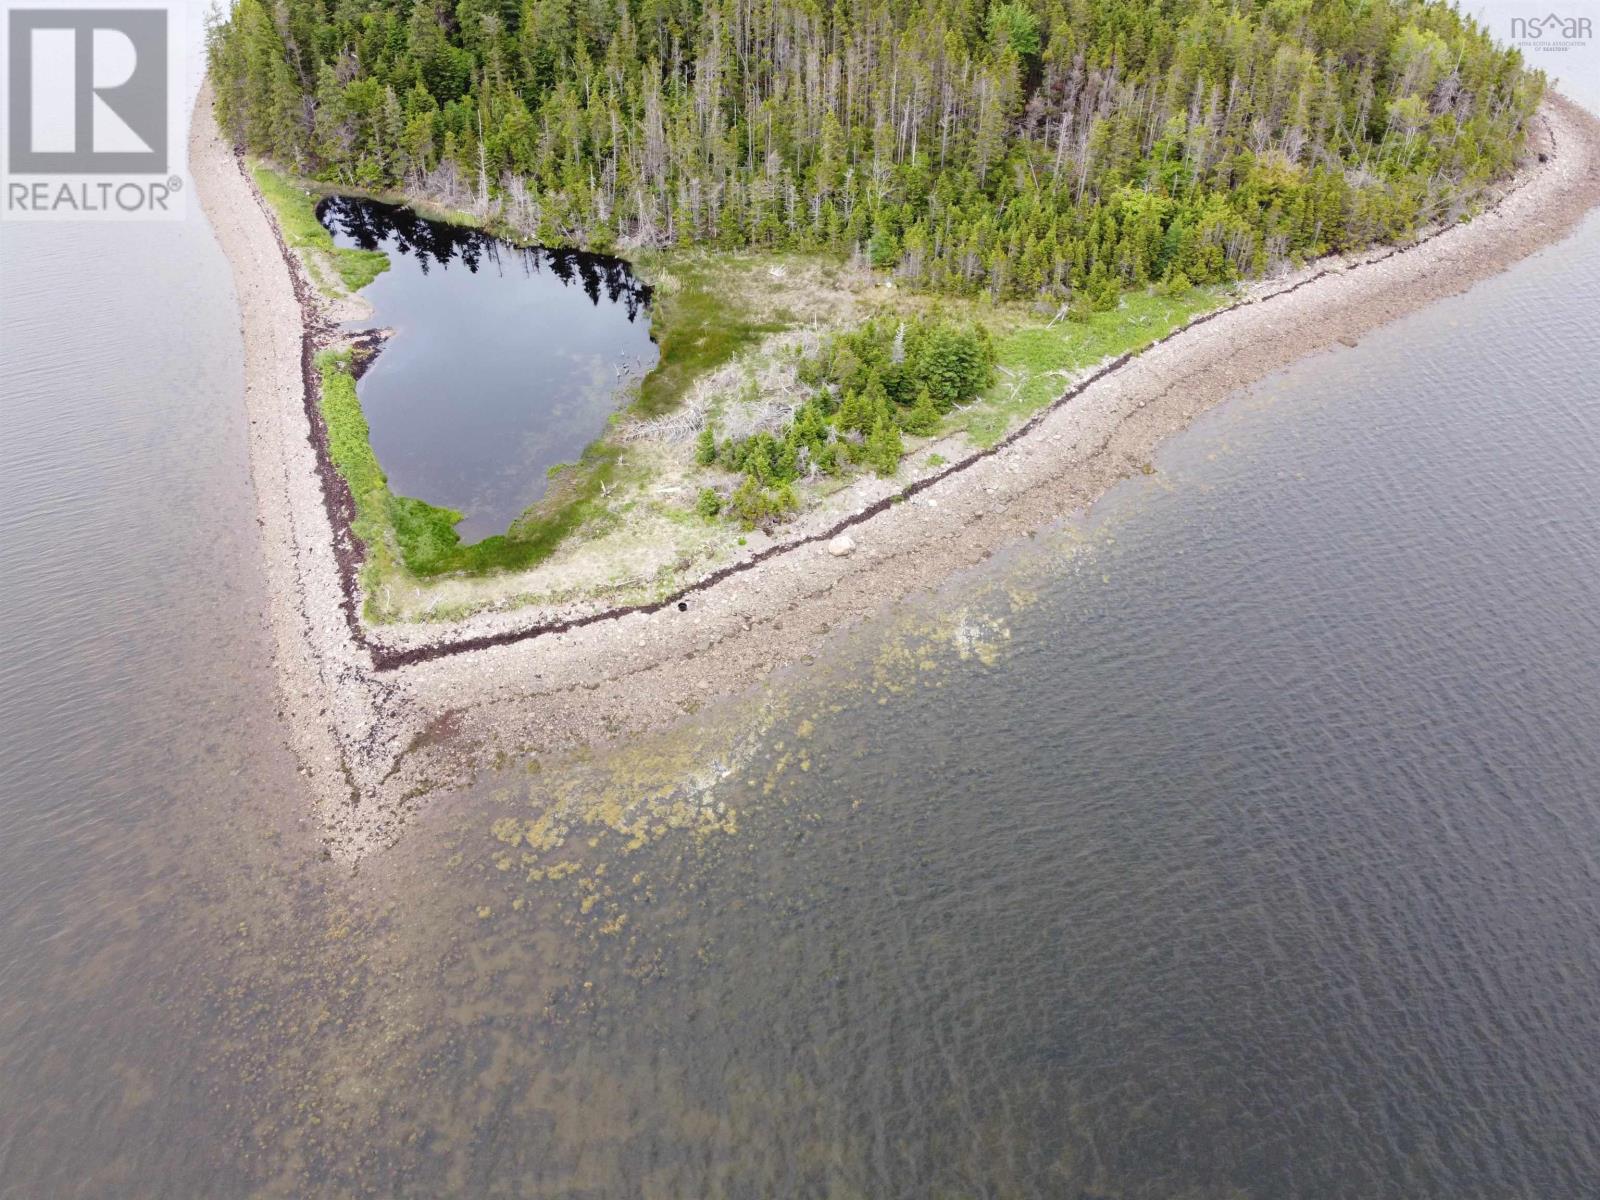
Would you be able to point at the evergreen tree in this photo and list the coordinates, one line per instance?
(1019, 147)
(884, 448)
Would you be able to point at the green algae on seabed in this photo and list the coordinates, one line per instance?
(410, 1023)
(572, 836)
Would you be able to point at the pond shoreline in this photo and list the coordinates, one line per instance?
(381, 716)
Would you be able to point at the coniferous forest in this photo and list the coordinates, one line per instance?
(1017, 147)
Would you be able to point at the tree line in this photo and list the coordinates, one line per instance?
(1064, 148)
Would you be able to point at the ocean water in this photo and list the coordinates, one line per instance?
(1239, 839)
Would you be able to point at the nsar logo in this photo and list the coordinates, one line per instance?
(1551, 32)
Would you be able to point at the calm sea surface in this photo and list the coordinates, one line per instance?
(1241, 840)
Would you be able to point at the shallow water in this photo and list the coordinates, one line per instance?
(1241, 840)
(505, 362)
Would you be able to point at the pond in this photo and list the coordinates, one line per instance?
(505, 360)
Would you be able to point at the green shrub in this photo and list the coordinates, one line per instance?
(752, 504)
(884, 449)
(705, 447)
(901, 359)
(922, 418)
(884, 248)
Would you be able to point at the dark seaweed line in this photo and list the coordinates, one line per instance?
(341, 506)
(337, 499)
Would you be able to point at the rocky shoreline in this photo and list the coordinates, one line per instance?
(382, 717)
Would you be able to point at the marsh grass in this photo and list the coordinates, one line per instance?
(1038, 361)
(296, 208)
(429, 544)
(699, 324)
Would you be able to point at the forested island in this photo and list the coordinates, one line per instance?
(877, 230)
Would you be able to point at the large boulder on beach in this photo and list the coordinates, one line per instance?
(842, 546)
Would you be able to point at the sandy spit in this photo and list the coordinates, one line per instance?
(382, 718)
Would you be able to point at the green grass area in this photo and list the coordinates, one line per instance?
(1036, 360)
(297, 217)
(429, 544)
(697, 326)
(350, 447)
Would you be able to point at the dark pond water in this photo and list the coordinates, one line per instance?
(1241, 841)
(506, 361)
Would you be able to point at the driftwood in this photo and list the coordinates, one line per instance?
(757, 392)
